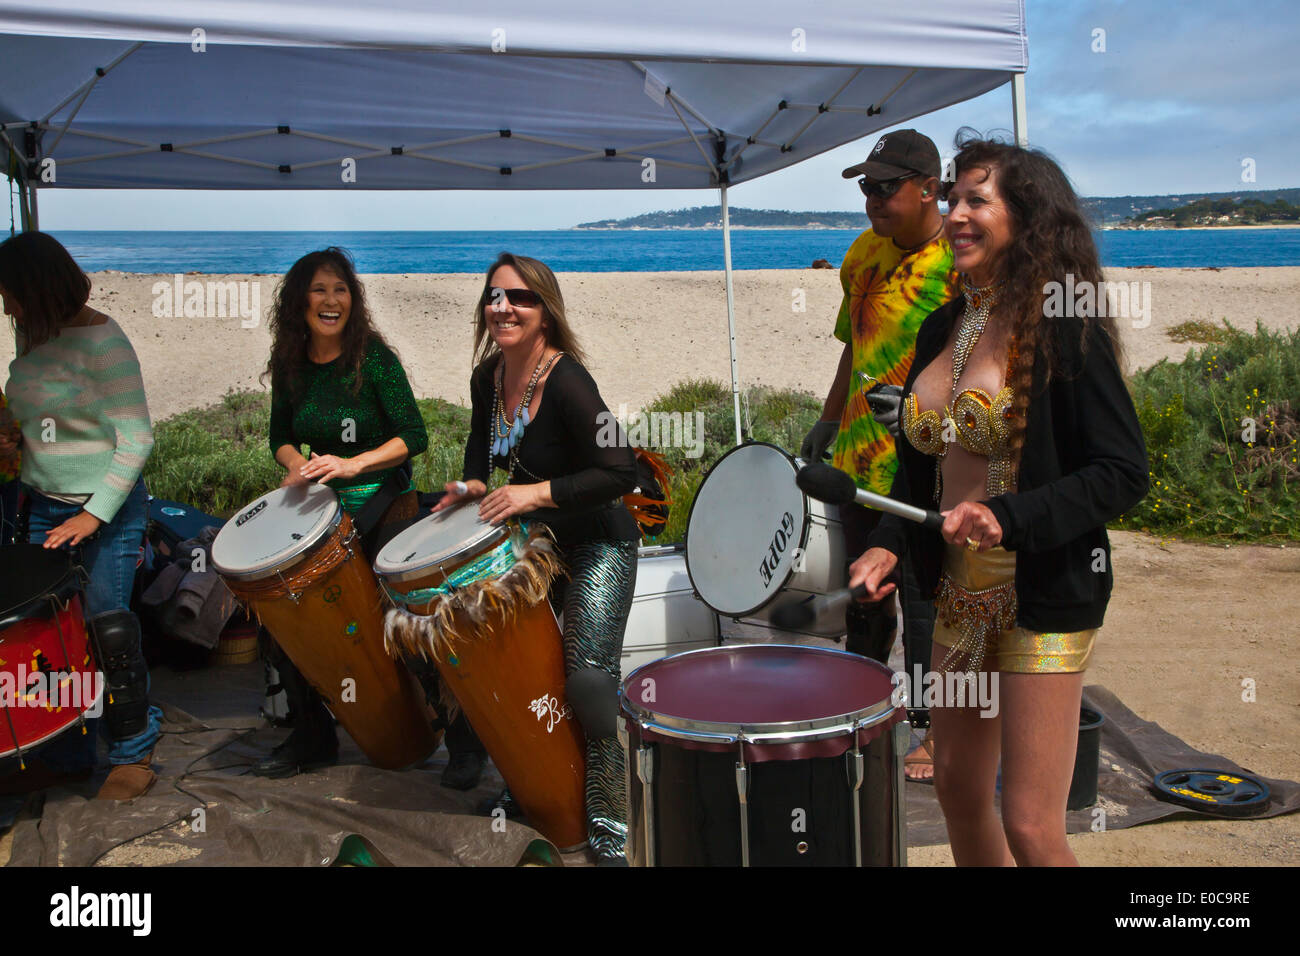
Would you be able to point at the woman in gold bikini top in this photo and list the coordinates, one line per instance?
(1025, 512)
(980, 422)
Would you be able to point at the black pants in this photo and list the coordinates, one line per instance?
(871, 626)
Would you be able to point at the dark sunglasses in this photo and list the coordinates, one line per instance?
(524, 297)
(884, 189)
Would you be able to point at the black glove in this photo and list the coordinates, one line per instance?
(818, 440)
(885, 402)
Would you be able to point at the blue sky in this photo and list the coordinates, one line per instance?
(1185, 90)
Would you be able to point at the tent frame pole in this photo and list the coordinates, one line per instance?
(31, 216)
(731, 308)
(1020, 117)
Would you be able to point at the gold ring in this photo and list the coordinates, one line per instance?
(972, 544)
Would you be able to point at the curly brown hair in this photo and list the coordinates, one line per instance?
(290, 334)
(1050, 239)
(47, 284)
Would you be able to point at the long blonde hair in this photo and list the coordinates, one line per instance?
(540, 279)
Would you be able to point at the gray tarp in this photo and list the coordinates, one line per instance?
(410, 820)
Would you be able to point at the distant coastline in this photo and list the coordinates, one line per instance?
(1105, 212)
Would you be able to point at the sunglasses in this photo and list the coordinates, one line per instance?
(885, 188)
(523, 297)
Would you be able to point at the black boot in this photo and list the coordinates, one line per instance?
(465, 753)
(313, 744)
(466, 756)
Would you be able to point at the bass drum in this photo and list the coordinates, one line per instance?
(48, 680)
(764, 755)
(753, 536)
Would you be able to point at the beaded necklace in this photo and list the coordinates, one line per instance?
(506, 435)
(979, 304)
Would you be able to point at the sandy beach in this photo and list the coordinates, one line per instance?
(1187, 622)
(643, 331)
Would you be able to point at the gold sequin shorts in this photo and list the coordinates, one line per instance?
(975, 618)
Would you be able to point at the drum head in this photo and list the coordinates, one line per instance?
(438, 539)
(275, 531)
(758, 689)
(745, 524)
(29, 572)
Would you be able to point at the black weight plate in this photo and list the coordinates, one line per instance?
(1213, 791)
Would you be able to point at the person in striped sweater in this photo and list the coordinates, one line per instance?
(76, 390)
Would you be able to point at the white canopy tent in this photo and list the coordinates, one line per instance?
(327, 94)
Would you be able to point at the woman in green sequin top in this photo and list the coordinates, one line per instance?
(336, 386)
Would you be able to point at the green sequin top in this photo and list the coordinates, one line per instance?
(329, 418)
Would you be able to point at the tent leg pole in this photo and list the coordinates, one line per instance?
(33, 214)
(1020, 118)
(24, 218)
(731, 308)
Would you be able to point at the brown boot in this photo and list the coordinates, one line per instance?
(128, 780)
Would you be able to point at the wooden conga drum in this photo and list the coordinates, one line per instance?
(293, 558)
(472, 597)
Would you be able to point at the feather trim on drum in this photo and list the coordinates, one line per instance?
(466, 613)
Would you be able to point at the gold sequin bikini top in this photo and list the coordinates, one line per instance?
(981, 423)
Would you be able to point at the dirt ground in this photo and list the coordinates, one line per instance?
(1187, 625)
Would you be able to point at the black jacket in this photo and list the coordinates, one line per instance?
(1083, 463)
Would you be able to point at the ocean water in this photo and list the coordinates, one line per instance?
(609, 250)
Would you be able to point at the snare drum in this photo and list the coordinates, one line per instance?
(753, 535)
(48, 679)
(763, 755)
(472, 596)
(293, 557)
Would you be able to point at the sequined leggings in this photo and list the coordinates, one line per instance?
(596, 601)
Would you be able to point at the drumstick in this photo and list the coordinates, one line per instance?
(799, 614)
(836, 488)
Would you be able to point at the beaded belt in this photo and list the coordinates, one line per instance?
(976, 616)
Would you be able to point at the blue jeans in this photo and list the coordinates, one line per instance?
(110, 561)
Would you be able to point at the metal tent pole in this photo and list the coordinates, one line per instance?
(33, 214)
(731, 308)
(1019, 116)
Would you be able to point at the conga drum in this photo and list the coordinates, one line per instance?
(472, 597)
(764, 755)
(293, 557)
(49, 682)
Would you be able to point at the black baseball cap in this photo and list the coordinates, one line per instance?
(899, 153)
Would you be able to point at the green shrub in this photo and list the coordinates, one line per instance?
(217, 458)
(1208, 479)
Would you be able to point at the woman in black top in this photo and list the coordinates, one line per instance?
(1020, 428)
(538, 415)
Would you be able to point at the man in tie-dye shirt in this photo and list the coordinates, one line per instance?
(894, 275)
